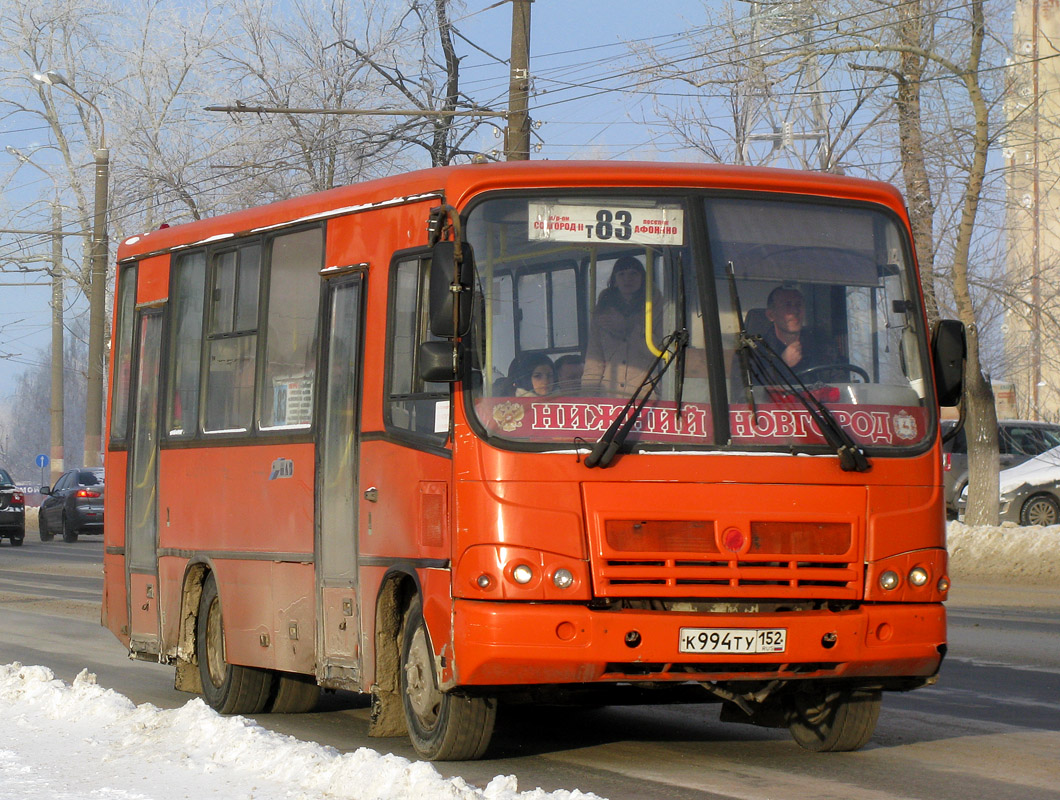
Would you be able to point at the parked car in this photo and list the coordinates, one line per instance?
(1017, 441)
(73, 506)
(1030, 492)
(12, 510)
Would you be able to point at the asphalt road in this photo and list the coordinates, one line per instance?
(989, 729)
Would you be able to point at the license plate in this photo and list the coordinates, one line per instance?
(733, 640)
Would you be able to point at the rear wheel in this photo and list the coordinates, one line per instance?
(442, 726)
(1042, 509)
(834, 720)
(42, 526)
(227, 688)
(294, 694)
(16, 541)
(69, 532)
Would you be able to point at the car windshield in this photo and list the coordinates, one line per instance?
(580, 298)
(5, 479)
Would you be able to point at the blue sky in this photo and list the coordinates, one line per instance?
(571, 44)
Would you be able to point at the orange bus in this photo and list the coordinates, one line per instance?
(535, 432)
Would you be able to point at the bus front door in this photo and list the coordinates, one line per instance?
(338, 640)
(141, 535)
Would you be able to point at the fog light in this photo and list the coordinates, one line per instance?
(944, 584)
(522, 574)
(562, 578)
(889, 580)
(484, 581)
(918, 576)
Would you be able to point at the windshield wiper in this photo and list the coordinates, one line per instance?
(756, 356)
(852, 456)
(603, 452)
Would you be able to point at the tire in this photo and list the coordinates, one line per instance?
(45, 534)
(227, 688)
(833, 720)
(16, 541)
(69, 532)
(442, 726)
(1041, 509)
(294, 694)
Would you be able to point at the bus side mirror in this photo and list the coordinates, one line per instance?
(437, 362)
(949, 349)
(445, 296)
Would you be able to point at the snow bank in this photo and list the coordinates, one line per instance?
(83, 741)
(1005, 554)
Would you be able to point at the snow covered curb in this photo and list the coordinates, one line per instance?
(1005, 554)
(81, 740)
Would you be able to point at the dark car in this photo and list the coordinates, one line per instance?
(73, 506)
(1017, 441)
(12, 510)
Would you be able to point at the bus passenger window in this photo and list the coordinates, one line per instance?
(126, 306)
(290, 339)
(232, 340)
(189, 283)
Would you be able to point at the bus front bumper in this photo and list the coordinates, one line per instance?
(510, 644)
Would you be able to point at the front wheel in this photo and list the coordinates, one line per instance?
(442, 726)
(1042, 509)
(16, 541)
(227, 688)
(833, 720)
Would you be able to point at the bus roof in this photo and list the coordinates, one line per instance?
(457, 184)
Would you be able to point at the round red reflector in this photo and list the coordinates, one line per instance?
(733, 539)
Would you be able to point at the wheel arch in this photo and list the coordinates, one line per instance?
(186, 657)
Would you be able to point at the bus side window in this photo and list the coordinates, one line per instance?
(232, 340)
(119, 406)
(290, 339)
(185, 345)
(412, 405)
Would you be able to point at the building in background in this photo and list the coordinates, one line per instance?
(1032, 159)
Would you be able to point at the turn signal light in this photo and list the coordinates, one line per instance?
(87, 493)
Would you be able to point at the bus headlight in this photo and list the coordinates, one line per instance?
(522, 574)
(918, 576)
(889, 580)
(562, 578)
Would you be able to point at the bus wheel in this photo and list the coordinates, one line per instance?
(227, 688)
(828, 719)
(442, 726)
(294, 694)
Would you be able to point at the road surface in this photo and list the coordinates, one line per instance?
(989, 729)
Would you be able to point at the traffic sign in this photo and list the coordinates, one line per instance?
(42, 461)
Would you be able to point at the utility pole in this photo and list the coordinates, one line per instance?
(97, 296)
(517, 134)
(58, 359)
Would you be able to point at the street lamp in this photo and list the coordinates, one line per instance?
(97, 297)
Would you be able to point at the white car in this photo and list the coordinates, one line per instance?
(1030, 492)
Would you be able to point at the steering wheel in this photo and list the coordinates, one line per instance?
(851, 369)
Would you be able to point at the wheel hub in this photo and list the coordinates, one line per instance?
(424, 697)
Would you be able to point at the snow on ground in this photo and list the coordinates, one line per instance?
(82, 742)
(1007, 554)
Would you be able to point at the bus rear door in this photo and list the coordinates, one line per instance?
(141, 555)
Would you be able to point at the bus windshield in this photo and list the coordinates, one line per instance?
(777, 303)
